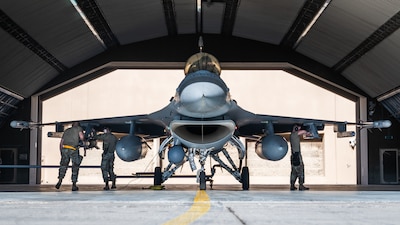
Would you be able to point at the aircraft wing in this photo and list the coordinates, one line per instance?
(151, 125)
(255, 125)
(248, 124)
(141, 125)
(147, 126)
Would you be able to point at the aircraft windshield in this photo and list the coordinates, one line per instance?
(202, 61)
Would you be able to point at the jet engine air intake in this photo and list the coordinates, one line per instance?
(203, 134)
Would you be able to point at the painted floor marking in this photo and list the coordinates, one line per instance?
(201, 205)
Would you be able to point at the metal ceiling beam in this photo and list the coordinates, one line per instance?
(306, 18)
(24, 38)
(169, 13)
(95, 16)
(8, 104)
(231, 7)
(374, 39)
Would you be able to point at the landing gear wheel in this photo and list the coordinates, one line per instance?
(245, 178)
(157, 176)
(202, 180)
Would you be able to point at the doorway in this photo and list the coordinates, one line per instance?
(389, 166)
(8, 156)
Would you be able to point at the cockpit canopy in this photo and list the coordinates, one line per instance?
(202, 61)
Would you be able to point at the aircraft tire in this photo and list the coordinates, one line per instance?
(202, 180)
(245, 178)
(157, 176)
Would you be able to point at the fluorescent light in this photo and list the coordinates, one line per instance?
(389, 94)
(87, 22)
(321, 10)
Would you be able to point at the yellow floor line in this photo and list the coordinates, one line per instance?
(201, 205)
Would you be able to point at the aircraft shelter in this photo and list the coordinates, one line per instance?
(350, 48)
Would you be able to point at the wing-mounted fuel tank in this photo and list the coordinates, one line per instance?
(129, 148)
(273, 147)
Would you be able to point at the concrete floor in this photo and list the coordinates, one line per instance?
(184, 204)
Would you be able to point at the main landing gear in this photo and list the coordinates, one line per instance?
(221, 157)
(203, 178)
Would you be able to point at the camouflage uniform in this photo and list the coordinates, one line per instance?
(108, 157)
(296, 161)
(70, 152)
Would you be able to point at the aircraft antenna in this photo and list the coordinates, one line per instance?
(201, 44)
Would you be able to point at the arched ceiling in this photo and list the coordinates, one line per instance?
(353, 44)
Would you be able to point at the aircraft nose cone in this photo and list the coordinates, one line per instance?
(202, 97)
(197, 91)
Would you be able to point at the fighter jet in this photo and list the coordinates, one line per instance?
(198, 123)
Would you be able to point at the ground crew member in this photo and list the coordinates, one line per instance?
(296, 159)
(108, 157)
(69, 149)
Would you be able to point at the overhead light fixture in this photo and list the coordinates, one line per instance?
(389, 94)
(9, 93)
(321, 10)
(90, 26)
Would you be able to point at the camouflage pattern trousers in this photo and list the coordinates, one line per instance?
(297, 172)
(76, 159)
(107, 166)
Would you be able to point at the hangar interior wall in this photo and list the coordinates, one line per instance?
(385, 139)
(273, 92)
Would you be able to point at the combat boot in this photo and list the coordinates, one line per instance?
(74, 187)
(58, 185)
(303, 188)
(106, 187)
(113, 183)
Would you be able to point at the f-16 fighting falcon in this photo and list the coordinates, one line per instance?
(199, 121)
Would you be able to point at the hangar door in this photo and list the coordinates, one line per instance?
(273, 92)
(389, 166)
(8, 156)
